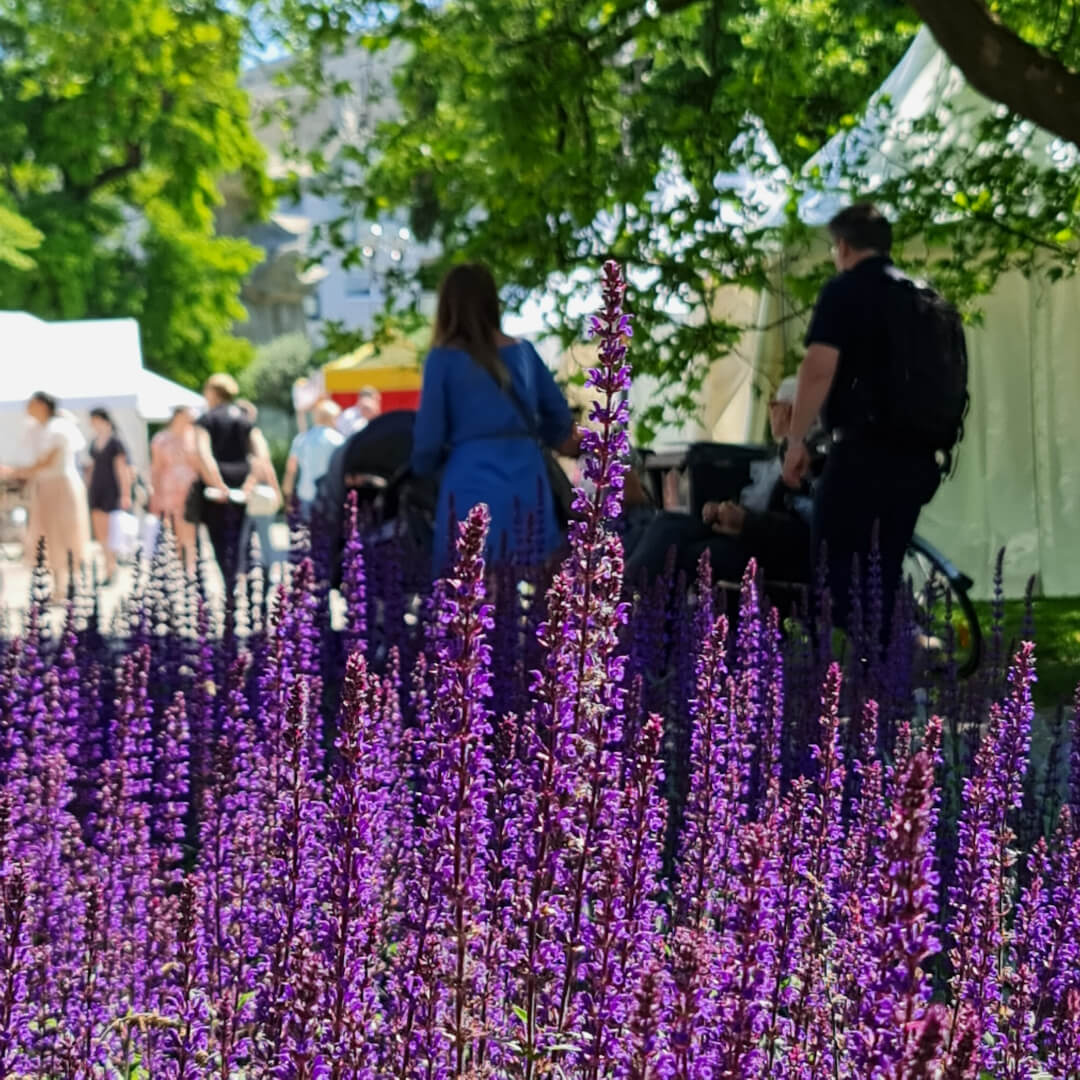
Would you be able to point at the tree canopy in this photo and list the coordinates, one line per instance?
(118, 120)
(545, 135)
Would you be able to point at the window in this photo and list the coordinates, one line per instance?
(358, 282)
(312, 306)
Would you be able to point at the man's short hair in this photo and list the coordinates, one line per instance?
(864, 227)
(370, 392)
(224, 386)
(326, 412)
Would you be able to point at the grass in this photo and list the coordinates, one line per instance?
(1057, 638)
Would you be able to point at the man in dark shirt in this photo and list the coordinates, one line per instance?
(225, 451)
(871, 478)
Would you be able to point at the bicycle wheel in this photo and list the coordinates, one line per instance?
(941, 601)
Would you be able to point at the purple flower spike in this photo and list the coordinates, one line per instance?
(894, 998)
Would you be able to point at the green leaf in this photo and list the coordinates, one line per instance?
(17, 238)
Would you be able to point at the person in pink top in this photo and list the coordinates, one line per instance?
(172, 472)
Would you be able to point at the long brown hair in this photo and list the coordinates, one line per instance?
(468, 317)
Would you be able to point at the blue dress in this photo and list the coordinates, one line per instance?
(467, 421)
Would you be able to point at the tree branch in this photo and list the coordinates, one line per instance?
(132, 161)
(1002, 66)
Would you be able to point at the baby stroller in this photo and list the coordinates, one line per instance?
(394, 505)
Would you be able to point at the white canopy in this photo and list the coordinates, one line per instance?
(85, 364)
(1017, 484)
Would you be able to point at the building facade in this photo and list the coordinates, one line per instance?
(304, 282)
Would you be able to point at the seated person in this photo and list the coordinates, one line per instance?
(638, 508)
(770, 523)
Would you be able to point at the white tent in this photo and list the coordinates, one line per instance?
(1018, 479)
(84, 364)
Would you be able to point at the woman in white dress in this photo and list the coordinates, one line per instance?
(58, 509)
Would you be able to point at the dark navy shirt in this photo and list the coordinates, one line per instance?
(850, 317)
(230, 436)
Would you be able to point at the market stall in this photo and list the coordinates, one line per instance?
(393, 369)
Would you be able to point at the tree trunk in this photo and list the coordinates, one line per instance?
(1004, 67)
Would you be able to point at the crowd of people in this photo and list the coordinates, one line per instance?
(851, 470)
(864, 433)
(211, 468)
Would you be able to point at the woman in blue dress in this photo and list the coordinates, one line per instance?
(469, 422)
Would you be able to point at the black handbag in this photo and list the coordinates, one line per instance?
(194, 503)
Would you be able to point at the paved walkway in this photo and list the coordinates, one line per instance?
(15, 578)
(15, 586)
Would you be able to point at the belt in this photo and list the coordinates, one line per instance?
(841, 435)
(883, 440)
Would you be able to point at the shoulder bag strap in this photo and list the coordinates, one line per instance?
(520, 407)
(526, 415)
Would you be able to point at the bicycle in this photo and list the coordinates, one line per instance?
(718, 471)
(942, 604)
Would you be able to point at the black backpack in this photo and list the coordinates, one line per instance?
(923, 396)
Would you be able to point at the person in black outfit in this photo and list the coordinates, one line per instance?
(108, 482)
(225, 450)
(873, 480)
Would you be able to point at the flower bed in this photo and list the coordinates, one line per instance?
(539, 834)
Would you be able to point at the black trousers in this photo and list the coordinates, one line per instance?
(865, 485)
(225, 524)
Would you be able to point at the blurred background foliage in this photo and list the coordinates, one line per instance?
(118, 120)
(545, 135)
(539, 135)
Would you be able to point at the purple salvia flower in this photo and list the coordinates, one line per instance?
(202, 705)
(359, 843)
(793, 928)
(231, 881)
(123, 839)
(896, 990)
(648, 1055)
(303, 1053)
(1074, 760)
(184, 999)
(14, 946)
(702, 843)
(55, 901)
(354, 582)
(626, 917)
(1063, 1055)
(510, 775)
(748, 670)
(580, 699)
(1028, 971)
(746, 968)
(982, 894)
(923, 1061)
(772, 712)
(606, 448)
(169, 801)
(692, 1012)
(825, 839)
(962, 1063)
(456, 786)
(1057, 962)
(296, 856)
